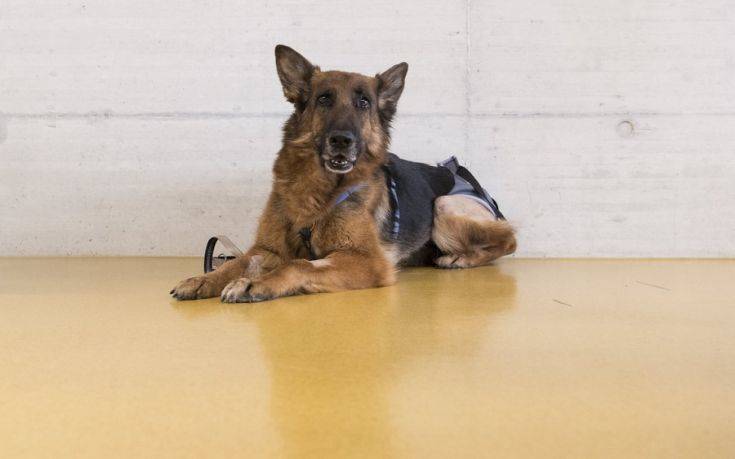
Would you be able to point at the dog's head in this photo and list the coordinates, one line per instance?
(342, 117)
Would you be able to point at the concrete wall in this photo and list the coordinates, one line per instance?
(604, 128)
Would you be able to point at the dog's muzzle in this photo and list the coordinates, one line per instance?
(340, 152)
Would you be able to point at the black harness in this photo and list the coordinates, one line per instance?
(412, 189)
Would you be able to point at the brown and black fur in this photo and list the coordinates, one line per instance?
(343, 117)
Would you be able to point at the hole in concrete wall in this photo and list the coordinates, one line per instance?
(625, 128)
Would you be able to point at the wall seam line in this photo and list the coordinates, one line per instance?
(468, 78)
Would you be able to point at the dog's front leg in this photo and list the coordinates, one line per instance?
(343, 270)
(251, 265)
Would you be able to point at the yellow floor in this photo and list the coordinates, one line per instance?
(530, 358)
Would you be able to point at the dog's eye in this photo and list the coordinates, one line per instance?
(363, 103)
(324, 100)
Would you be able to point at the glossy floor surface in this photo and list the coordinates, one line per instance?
(529, 358)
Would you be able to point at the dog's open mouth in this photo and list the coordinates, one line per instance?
(339, 165)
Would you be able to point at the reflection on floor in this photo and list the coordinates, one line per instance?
(532, 358)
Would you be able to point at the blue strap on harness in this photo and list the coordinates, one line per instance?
(394, 205)
(346, 194)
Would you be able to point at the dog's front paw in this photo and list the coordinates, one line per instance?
(244, 290)
(236, 291)
(195, 288)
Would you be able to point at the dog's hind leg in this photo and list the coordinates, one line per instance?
(468, 234)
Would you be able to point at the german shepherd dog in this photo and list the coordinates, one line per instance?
(331, 222)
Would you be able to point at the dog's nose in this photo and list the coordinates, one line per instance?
(341, 139)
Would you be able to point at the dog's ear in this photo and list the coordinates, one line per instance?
(294, 71)
(390, 87)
